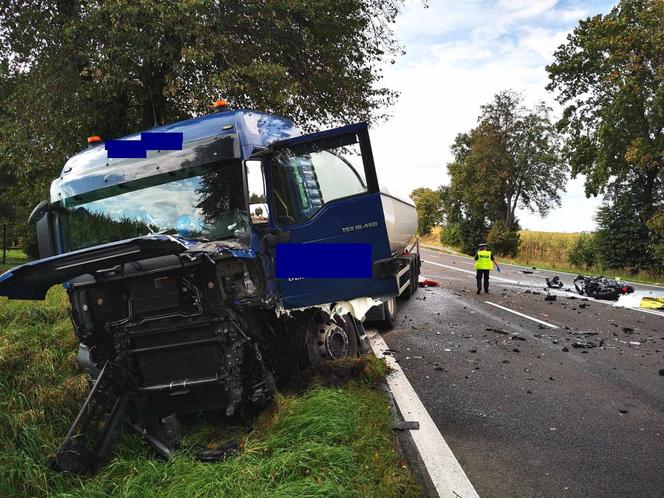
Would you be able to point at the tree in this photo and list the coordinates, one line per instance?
(80, 68)
(510, 160)
(429, 209)
(609, 76)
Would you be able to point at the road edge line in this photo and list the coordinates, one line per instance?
(443, 468)
(550, 325)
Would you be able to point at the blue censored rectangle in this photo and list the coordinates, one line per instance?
(125, 148)
(323, 261)
(162, 140)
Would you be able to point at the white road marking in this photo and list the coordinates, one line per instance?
(446, 474)
(523, 315)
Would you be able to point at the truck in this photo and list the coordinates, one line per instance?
(209, 260)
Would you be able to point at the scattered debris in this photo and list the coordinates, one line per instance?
(497, 331)
(661, 372)
(583, 305)
(406, 425)
(550, 297)
(634, 343)
(428, 283)
(623, 411)
(565, 349)
(628, 330)
(584, 344)
(507, 361)
(527, 272)
(554, 283)
(582, 334)
(516, 350)
(517, 337)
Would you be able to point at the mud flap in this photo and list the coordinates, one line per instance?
(92, 436)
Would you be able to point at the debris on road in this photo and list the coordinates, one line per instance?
(497, 331)
(406, 425)
(550, 297)
(554, 283)
(653, 303)
(427, 283)
(584, 344)
(527, 272)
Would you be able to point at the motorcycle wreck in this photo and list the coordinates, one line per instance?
(601, 288)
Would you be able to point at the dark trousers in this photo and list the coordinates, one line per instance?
(483, 274)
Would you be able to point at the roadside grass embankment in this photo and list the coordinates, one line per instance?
(326, 441)
(550, 251)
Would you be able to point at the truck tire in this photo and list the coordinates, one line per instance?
(330, 339)
(390, 314)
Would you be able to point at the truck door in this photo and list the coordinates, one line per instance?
(323, 190)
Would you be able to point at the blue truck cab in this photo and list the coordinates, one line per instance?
(206, 261)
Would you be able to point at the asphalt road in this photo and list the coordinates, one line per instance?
(525, 411)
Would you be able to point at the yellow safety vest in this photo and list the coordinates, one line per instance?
(483, 261)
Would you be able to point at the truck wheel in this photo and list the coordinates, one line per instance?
(390, 313)
(331, 340)
(414, 272)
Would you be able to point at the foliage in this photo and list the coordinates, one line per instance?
(622, 238)
(326, 442)
(583, 253)
(429, 206)
(450, 235)
(510, 160)
(609, 76)
(73, 69)
(503, 241)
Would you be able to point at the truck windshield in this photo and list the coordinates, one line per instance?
(201, 203)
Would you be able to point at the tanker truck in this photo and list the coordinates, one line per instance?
(210, 259)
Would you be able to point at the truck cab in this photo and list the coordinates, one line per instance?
(206, 259)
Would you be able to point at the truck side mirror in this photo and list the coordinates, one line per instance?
(258, 209)
(44, 219)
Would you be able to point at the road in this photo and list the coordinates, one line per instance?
(524, 411)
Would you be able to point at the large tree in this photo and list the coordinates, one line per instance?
(609, 76)
(429, 204)
(510, 160)
(111, 67)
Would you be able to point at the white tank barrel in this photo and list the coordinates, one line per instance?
(400, 219)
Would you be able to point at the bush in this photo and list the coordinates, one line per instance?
(584, 252)
(450, 235)
(503, 241)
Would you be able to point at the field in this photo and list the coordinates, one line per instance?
(324, 441)
(550, 250)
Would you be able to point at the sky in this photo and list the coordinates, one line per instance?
(459, 54)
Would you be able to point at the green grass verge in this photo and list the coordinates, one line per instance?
(325, 442)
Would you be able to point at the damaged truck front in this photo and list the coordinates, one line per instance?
(200, 274)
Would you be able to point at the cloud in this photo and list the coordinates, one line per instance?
(460, 54)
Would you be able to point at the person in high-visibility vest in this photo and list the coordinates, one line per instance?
(484, 261)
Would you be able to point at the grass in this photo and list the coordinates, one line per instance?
(550, 251)
(13, 257)
(329, 441)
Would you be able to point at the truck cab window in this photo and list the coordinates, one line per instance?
(304, 178)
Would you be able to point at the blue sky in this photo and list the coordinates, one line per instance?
(459, 54)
